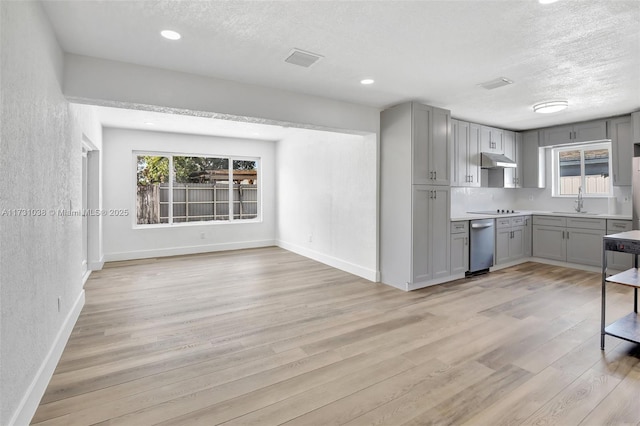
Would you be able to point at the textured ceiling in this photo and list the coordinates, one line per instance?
(436, 52)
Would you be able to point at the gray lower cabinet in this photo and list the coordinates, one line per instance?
(569, 239)
(510, 239)
(430, 258)
(549, 242)
(584, 246)
(617, 260)
(528, 225)
(459, 247)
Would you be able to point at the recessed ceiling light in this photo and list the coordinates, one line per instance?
(367, 81)
(550, 106)
(149, 123)
(170, 35)
(547, 1)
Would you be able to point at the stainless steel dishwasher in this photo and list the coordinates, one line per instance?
(482, 240)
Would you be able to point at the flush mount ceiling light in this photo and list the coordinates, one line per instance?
(170, 34)
(550, 106)
(367, 81)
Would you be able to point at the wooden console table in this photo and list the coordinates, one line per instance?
(627, 327)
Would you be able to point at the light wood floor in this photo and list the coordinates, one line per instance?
(267, 337)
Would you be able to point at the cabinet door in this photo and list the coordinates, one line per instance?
(459, 136)
(439, 146)
(459, 253)
(527, 236)
(510, 152)
(635, 127)
(485, 139)
(502, 245)
(421, 267)
(532, 164)
(516, 243)
(549, 242)
(519, 173)
(557, 135)
(421, 120)
(622, 150)
(590, 131)
(584, 246)
(473, 155)
(619, 261)
(497, 139)
(439, 231)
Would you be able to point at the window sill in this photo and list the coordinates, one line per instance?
(190, 224)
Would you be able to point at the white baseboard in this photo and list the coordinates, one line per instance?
(96, 266)
(429, 283)
(30, 401)
(178, 251)
(565, 264)
(352, 268)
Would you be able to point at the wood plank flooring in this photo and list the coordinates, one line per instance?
(267, 337)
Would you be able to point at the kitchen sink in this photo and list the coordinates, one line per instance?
(585, 213)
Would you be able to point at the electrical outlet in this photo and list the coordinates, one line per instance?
(310, 238)
(202, 236)
(530, 197)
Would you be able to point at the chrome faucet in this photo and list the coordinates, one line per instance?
(579, 201)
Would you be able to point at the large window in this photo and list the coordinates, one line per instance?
(585, 166)
(174, 189)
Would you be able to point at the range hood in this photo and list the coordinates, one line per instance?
(490, 160)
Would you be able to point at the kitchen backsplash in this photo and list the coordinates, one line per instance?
(477, 199)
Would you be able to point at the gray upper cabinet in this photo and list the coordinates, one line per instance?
(465, 159)
(430, 144)
(491, 140)
(635, 124)
(533, 171)
(579, 132)
(512, 176)
(619, 131)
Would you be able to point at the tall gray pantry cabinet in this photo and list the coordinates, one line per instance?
(414, 195)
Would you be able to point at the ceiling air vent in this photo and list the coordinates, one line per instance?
(498, 82)
(302, 58)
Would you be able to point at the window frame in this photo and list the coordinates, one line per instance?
(555, 173)
(171, 223)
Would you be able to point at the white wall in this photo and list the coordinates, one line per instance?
(327, 199)
(99, 80)
(40, 163)
(122, 241)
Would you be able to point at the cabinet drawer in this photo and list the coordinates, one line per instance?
(517, 221)
(503, 222)
(550, 220)
(460, 227)
(587, 223)
(614, 226)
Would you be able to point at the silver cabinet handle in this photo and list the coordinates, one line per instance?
(466, 241)
(563, 235)
(567, 235)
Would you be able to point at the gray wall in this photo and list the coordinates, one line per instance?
(40, 165)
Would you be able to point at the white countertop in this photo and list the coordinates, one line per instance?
(472, 216)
